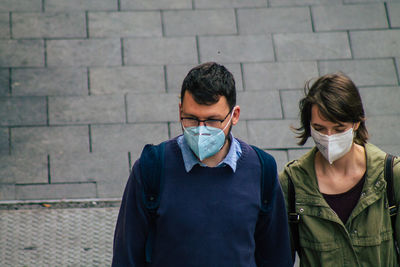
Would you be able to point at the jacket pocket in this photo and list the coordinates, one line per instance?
(375, 250)
(324, 254)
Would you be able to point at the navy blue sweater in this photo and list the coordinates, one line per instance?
(207, 217)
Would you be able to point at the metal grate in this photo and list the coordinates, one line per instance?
(57, 237)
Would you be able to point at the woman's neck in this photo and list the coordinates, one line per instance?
(343, 173)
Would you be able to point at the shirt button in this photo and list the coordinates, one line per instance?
(363, 194)
(355, 231)
(301, 210)
(378, 183)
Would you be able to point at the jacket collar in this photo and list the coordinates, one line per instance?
(303, 175)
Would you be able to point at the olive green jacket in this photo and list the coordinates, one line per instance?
(366, 240)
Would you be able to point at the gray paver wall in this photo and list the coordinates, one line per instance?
(85, 84)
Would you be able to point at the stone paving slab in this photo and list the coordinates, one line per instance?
(278, 75)
(364, 1)
(49, 81)
(23, 169)
(80, 5)
(229, 3)
(164, 107)
(7, 192)
(124, 24)
(269, 20)
(4, 25)
(155, 4)
(22, 110)
(160, 51)
(394, 10)
(366, 72)
(4, 141)
(288, 3)
(382, 130)
(86, 109)
(231, 49)
(127, 79)
(191, 22)
(20, 5)
(84, 52)
(312, 46)
(373, 44)
(259, 105)
(89, 167)
(56, 191)
(4, 82)
(349, 17)
(381, 100)
(261, 132)
(49, 140)
(48, 25)
(397, 60)
(290, 103)
(22, 53)
(122, 135)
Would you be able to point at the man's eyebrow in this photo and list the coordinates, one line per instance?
(211, 117)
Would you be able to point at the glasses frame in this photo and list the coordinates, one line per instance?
(205, 121)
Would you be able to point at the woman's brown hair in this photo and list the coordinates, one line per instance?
(338, 100)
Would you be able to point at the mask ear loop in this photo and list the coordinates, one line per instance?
(230, 119)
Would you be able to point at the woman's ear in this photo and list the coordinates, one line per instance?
(356, 125)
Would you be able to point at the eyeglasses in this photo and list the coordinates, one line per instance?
(194, 122)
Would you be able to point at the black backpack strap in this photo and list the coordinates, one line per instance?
(151, 173)
(393, 205)
(264, 185)
(389, 179)
(293, 216)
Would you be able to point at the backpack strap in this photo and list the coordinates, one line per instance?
(265, 172)
(293, 216)
(389, 179)
(151, 172)
(393, 205)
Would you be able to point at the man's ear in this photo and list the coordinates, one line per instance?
(235, 115)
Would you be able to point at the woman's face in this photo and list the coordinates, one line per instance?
(324, 126)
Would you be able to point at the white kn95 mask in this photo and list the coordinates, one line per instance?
(334, 146)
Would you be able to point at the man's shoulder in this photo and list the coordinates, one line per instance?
(155, 148)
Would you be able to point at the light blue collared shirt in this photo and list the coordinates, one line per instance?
(191, 160)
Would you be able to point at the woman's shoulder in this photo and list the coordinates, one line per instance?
(298, 169)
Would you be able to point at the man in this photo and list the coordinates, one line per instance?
(209, 212)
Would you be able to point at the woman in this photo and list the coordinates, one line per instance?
(340, 191)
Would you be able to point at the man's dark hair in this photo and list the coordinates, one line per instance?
(208, 82)
(338, 100)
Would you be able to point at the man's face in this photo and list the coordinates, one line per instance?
(189, 108)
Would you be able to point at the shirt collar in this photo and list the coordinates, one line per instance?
(190, 160)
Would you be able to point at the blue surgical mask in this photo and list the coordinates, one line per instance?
(205, 141)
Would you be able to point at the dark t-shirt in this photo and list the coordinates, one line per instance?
(344, 203)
